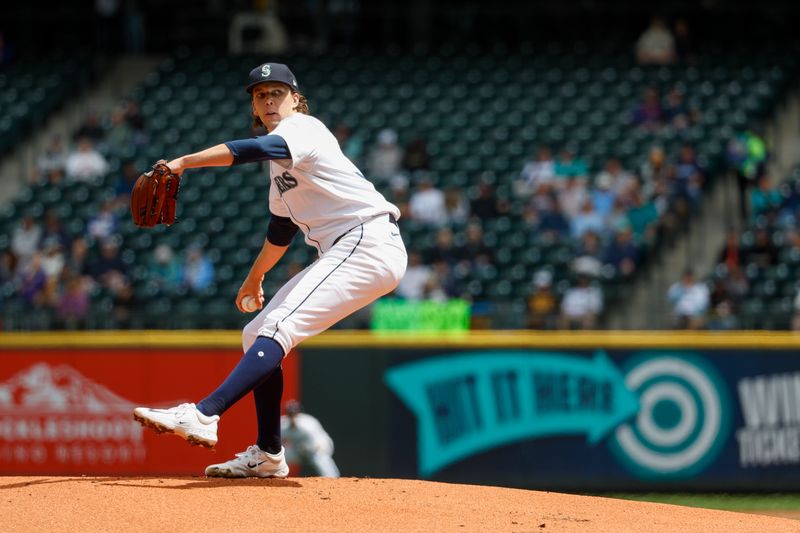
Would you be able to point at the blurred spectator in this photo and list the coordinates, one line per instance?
(581, 305)
(54, 230)
(722, 316)
(737, 286)
(165, 269)
(589, 255)
(586, 220)
(603, 195)
(623, 253)
(91, 128)
(656, 46)
(124, 185)
(475, 251)
(485, 205)
(52, 260)
(443, 249)
(764, 199)
(53, 157)
(731, 254)
(383, 161)
(456, 206)
(619, 178)
(416, 157)
(74, 302)
(573, 197)
(648, 114)
(677, 112)
(792, 243)
(542, 303)
(78, 258)
(427, 203)
(643, 218)
(747, 155)
(763, 251)
(688, 177)
(198, 273)
(104, 223)
(618, 218)
(25, 239)
(8, 266)
(352, 145)
(85, 163)
(109, 270)
(690, 300)
(553, 225)
(306, 442)
(569, 166)
(399, 197)
(111, 273)
(443, 285)
(655, 170)
(537, 172)
(31, 281)
(120, 133)
(123, 302)
(412, 286)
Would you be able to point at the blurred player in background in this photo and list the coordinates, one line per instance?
(315, 188)
(306, 442)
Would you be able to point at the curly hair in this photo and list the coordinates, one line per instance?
(302, 107)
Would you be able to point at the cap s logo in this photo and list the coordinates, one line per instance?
(265, 71)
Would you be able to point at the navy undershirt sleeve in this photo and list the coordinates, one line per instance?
(259, 149)
(281, 230)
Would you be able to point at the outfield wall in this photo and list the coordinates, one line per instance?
(559, 410)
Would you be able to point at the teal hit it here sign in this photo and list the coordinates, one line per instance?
(472, 402)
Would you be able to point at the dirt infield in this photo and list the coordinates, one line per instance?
(349, 504)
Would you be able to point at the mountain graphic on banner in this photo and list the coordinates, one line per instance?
(58, 389)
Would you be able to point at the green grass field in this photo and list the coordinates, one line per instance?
(725, 502)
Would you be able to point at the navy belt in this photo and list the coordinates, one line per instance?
(391, 219)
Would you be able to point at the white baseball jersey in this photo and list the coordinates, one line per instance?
(321, 190)
(361, 253)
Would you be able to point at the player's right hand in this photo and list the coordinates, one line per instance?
(251, 287)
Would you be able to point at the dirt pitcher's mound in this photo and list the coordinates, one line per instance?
(314, 504)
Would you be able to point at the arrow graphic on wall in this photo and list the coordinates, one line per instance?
(472, 402)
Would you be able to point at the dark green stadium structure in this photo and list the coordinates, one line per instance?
(31, 89)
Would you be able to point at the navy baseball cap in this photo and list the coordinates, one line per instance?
(272, 72)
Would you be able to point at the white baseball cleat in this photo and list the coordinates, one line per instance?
(252, 462)
(184, 420)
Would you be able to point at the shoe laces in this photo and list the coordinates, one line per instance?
(183, 408)
(251, 451)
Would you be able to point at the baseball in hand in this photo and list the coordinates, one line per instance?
(249, 304)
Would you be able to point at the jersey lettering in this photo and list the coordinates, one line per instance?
(285, 182)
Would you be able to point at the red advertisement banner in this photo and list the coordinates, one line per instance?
(69, 411)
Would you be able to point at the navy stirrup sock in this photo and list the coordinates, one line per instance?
(255, 366)
(268, 411)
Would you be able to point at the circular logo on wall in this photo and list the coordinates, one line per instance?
(683, 419)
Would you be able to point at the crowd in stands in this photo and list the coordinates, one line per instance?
(609, 218)
(63, 274)
(769, 238)
(609, 214)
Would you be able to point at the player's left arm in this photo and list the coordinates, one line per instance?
(234, 153)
